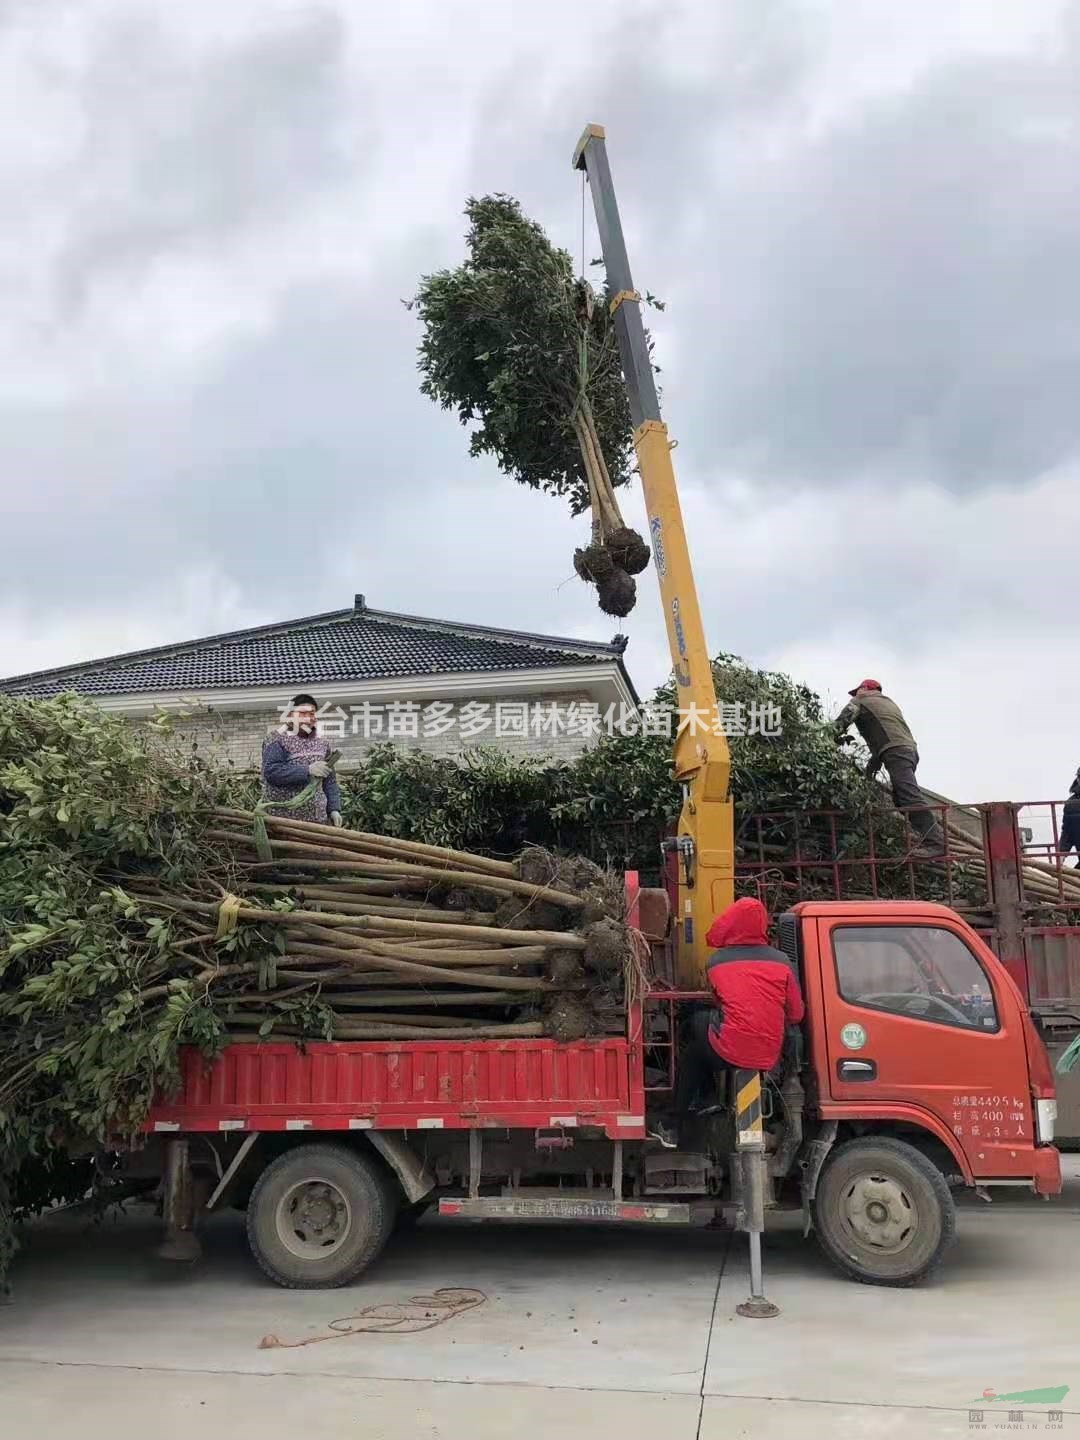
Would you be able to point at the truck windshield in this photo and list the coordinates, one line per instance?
(920, 971)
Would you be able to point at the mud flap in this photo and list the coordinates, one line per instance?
(416, 1180)
(814, 1157)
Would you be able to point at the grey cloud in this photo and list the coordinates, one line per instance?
(885, 297)
(180, 149)
(892, 295)
(664, 127)
(313, 430)
(894, 298)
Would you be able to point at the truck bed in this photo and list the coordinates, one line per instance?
(411, 1085)
(418, 1084)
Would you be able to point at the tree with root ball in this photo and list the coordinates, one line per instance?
(525, 352)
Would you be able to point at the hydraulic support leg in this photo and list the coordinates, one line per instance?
(178, 1201)
(752, 1169)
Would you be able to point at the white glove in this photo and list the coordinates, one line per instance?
(318, 770)
(336, 820)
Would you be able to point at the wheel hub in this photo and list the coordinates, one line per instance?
(312, 1219)
(880, 1213)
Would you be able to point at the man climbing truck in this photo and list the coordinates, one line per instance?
(901, 1089)
(757, 999)
(882, 726)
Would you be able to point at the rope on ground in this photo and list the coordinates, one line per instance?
(409, 1317)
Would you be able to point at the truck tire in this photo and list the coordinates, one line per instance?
(319, 1215)
(883, 1212)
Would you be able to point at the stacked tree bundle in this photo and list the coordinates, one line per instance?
(369, 937)
(1044, 884)
(137, 916)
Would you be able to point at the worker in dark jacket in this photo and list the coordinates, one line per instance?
(292, 758)
(757, 995)
(881, 723)
(1070, 822)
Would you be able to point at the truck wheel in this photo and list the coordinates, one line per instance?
(883, 1212)
(319, 1215)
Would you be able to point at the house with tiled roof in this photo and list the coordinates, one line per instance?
(377, 675)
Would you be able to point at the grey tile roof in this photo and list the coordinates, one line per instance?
(356, 644)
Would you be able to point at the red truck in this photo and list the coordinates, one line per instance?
(918, 1070)
(919, 1067)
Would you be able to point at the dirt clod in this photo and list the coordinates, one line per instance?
(471, 900)
(604, 899)
(543, 867)
(606, 947)
(567, 1018)
(571, 874)
(594, 563)
(565, 967)
(617, 594)
(517, 912)
(628, 550)
(537, 866)
(585, 873)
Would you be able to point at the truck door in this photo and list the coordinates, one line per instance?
(916, 1018)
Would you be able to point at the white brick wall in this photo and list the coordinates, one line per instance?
(237, 735)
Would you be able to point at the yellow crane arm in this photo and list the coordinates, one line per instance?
(702, 760)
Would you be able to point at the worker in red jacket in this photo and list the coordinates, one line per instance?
(757, 997)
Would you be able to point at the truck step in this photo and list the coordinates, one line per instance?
(522, 1206)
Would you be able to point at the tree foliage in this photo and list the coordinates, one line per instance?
(484, 800)
(797, 794)
(83, 795)
(617, 798)
(512, 338)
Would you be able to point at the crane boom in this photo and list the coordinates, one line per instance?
(702, 760)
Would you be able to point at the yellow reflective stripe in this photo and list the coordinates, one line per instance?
(749, 1095)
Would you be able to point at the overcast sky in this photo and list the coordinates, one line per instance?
(864, 218)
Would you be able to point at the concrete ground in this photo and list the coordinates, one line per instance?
(621, 1330)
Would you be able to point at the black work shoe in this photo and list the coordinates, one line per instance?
(666, 1136)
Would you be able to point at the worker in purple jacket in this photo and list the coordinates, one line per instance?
(292, 758)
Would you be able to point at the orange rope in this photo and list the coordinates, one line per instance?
(410, 1317)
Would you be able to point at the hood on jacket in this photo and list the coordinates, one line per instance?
(745, 922)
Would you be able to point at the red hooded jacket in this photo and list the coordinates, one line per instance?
(755, 987)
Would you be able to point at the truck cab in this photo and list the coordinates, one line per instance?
(923, 1072)
(913, 1021)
